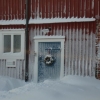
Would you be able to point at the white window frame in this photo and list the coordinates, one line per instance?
(38, 39)
(11, 55)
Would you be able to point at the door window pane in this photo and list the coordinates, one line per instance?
(17, 43)
(7, 43)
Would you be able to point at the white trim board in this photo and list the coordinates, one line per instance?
(48, 39)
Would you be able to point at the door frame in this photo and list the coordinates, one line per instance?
(38, 39)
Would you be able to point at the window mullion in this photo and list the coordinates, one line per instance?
(12, 43)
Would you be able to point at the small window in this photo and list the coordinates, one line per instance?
(7, 43)
(17, 43)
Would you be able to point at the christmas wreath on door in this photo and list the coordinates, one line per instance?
(49, 59)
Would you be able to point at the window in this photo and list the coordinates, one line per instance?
(12, 43)
(7, 43)
(17, 43)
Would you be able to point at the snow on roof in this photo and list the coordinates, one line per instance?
(60, 20)
(45, 20)
(21, 29)
(12, 22)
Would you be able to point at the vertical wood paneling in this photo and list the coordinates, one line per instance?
(79, 59)
(10, 9)
(96, 7)
(71, 8)
(12, 72)
(79, 49)
(73, 45)
(94, 54)
(67, 10)
(15, 9)
(66, 52)
(7, 9)
(19, 9)
(79, 8)
(75, 8)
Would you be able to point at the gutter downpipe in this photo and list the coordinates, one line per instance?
(27, 44)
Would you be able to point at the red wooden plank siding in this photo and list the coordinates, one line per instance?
(1, 11)
(46, 9)
(56, 8)
(15, 9)
(96, 8)
(19, 9)
(82, 3)
(15, 1)
(57, 15)
(49, 15)
(76, 8)
(79, 8)
(10, 9)
(67, 8)
(62, 5)
(18, 12)
(43, 9)
(35, 16)
(5, 12)
(99, 8)
(88, 8)
(37, 8)
(6, 9)
(53, 8)
(33, 9)
(50, 9)
(24, 9)
(59, 8)
(71, 8)
(40, 8)
(64, 9)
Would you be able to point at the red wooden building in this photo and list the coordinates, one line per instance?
(48, 39)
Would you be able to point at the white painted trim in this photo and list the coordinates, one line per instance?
(48, 39)
(12, 55)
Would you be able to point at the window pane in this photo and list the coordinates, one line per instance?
(17, 43)
(7, 43)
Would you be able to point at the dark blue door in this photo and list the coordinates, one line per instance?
(49, 60)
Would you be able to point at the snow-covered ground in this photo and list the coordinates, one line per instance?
(68, 88)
